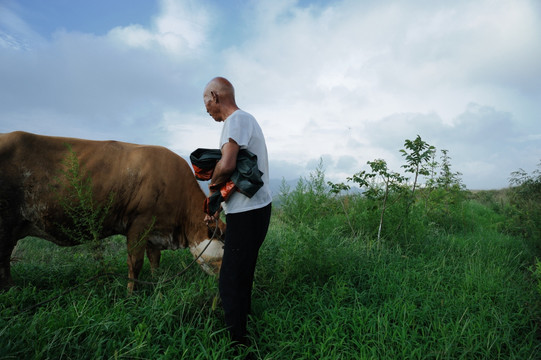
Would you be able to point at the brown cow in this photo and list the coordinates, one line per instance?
(153, 195)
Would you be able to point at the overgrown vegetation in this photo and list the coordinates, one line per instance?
(520, 209)
(409, 207)
(419, 269)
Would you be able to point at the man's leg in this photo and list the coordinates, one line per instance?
(244, 235)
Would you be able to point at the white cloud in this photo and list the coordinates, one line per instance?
(179, 29)
(112, 86)
(357, 78)
(186, 133)
(346, 81)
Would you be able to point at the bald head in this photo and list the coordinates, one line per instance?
(222, 86)
(219, 98)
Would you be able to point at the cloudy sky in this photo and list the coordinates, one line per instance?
(346, 81)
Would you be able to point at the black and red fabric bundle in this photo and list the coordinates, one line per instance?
(246, 178)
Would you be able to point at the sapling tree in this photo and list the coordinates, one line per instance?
(431, 180)
(380, 182)
(336, 189)
(418, 154)
(448, 179)
(446, 191)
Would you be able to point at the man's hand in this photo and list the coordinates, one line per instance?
(223, 170)
(213, 218)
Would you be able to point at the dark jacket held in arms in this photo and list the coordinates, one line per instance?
(246, 178)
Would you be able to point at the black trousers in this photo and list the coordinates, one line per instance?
(244, 235)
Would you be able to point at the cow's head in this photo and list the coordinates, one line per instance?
(211, 254)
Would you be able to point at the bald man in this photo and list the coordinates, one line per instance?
(247, 218)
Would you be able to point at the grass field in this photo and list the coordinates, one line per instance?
(394, 271)
(319, 294)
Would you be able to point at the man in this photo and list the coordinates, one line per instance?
(247, 218)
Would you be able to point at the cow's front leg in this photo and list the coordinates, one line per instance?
(135, 264)
(136, 252)
(5, 271)
(154, 256)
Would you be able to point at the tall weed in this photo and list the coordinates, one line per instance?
(74, 192)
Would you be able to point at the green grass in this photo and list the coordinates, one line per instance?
(98, 319)
(320, 293)
(452, 297)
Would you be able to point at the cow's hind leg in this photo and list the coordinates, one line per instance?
(6, 248)
(5, 271)
(11, 199)
(154, 256)
(7, 244)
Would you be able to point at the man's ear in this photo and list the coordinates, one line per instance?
(215, 97)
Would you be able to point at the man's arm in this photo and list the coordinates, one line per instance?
(227, 164)
(223, 170)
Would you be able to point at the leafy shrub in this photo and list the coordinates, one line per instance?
(525, 196)
(75, 195)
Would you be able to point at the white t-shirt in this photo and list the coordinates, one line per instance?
(244, 129)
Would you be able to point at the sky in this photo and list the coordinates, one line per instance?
(343, 81)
